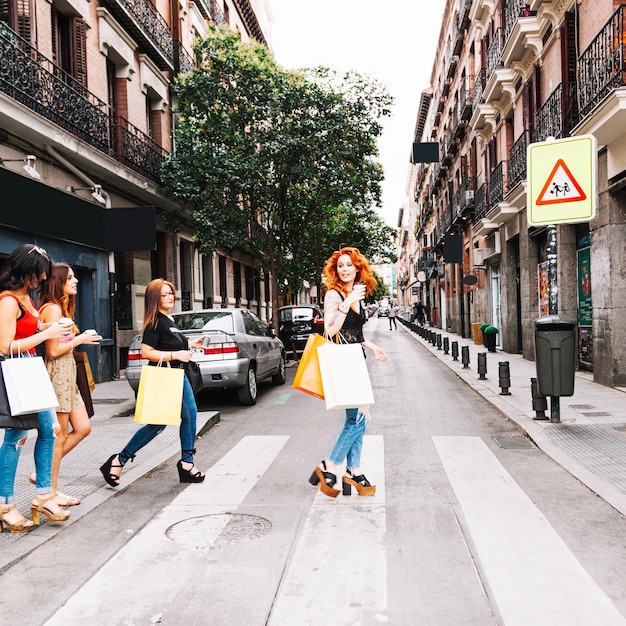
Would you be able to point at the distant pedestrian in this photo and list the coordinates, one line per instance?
(393, 309)
(420, 313)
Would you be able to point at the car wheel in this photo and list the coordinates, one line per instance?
(281, 376)
(248, 393)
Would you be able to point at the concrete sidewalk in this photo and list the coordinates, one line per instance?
(111, 427)
(590, 440)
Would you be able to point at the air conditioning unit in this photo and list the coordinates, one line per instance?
(478, 255)
(469, 195)
(492, 245)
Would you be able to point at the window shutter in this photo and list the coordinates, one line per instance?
(24, 19)
(79, 52)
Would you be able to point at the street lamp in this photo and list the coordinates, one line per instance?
(29, 165)
(96, 192)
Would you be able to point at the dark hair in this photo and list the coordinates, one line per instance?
(53, 290)
(24, 267)
(152, 300)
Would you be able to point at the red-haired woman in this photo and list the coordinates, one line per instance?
(57, 301)
(348, 280)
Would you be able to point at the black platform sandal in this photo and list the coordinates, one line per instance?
(193, 474)
(111, 478)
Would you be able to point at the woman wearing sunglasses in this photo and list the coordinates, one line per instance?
(20, 331)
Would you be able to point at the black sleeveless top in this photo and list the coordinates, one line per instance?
(352, 328)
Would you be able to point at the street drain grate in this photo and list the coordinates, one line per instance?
(581, 407)
(597, 414)
(219, 530)
(513, 443)
(108, 400)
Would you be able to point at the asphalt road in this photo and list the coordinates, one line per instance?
(471, 524)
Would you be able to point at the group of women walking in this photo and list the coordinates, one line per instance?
(23, 327)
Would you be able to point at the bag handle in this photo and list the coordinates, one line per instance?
(19, 349)
(162, 362)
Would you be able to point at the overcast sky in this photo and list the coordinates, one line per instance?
(394, 41)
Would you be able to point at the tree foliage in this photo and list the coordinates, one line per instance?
(277, 163)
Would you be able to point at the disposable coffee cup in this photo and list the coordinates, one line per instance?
(90, 331)
(206, 340)
(66, 321)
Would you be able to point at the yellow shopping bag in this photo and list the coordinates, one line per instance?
(308, 377)
(160, 395)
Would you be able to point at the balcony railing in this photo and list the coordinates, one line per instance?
(466, 195)
(33, 80)
(147, 25)
(479, 87)
(517, 161)
(480, 203)
(512, 12)
(498, 184)
(601, 65)
(494, 52)
(465, 99)
(558, 114)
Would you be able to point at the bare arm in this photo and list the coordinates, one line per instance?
(152, 354)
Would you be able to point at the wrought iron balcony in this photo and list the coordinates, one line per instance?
(465, 100)
(479, 87)
(498, 183)
(517, 161)
(481, 198)
(466, 196)
(464, 10)
(33, 80)
(147, 26)
(494, 52)
(513, 10)
(601, 66)
(184, 61)
(558, 114)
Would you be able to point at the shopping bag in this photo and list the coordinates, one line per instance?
(160, 395)
(28, 385)
(81, 357)
(308, 377)
(345, 377)
(25, 422)
(82, 381)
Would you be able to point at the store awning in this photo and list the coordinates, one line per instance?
(36, 208)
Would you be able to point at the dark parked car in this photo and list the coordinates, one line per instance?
(242, 350)
(296, 322)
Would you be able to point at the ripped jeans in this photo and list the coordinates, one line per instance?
(350, 441)
(10, 454)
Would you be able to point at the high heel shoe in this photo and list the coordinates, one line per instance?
(191, 475)
(19, 525)
(360, 483)
(47, 505)
(111, 478)
(325, 479)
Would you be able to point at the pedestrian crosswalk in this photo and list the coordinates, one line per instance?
(338, 549)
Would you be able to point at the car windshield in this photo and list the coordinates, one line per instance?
(206, 320)
(296, 315)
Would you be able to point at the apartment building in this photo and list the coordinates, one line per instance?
(507, 74)
(86, 120)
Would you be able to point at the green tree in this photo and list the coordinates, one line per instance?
(273, 162)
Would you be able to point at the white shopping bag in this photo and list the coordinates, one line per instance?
(28, 385)
(345, 377)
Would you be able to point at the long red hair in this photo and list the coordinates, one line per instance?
(363, 271)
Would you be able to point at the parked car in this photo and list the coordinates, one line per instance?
(383, 311)
(242, 350)
(296, 322)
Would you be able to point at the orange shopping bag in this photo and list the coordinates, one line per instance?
(308, 377)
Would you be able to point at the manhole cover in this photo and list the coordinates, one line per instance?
(513, 443)
(223, 529)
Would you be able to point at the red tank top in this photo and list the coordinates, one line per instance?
(27, 324)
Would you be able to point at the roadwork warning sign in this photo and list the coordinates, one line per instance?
(562, 181)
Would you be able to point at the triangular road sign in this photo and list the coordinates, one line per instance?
(560, 187)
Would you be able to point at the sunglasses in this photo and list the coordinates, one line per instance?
(38, 250)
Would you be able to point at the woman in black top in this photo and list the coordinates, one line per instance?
(162, 340)
(348, 278)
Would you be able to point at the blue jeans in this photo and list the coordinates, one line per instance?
(350, 441)
(10, 454)
(187, 430)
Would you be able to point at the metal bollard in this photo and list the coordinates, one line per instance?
(438, 338)
(455, 350)
(446, 345)
(482, 365)
(540, 403)
(504, 378)
(465, 359)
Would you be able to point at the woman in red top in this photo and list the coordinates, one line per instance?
(26, 268)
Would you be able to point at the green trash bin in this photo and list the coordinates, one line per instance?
(555, 355)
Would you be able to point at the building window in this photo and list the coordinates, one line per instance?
(69, 45)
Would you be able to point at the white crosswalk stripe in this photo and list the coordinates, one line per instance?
(340, 554)
(533, 576)
(141, 576)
